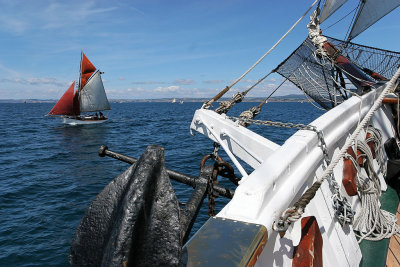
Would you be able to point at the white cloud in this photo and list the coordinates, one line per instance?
(18, 17)
(184, 81)
(213, 81)
(172, 88)
(12, 25)
(149, 82)
(33, 81)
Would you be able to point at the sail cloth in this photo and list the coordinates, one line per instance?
(87, 69)
(329, 8)
(370, 12)
(93, 96)
(64, 106)
(320, 79)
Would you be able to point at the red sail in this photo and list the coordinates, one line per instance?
(87, 70)
(64, 106)
(76, 108)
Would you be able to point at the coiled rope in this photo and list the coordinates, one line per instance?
(294, 213)
(371, 221)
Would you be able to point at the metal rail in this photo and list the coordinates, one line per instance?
(174, 175)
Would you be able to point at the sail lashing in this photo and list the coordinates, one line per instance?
(321, 74)
(318, 78)
(329, 8)
(369, 12)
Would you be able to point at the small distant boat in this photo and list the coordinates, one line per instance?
(173, 100)
(90, 96)
(181, 102)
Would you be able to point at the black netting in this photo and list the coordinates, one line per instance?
(321, 80)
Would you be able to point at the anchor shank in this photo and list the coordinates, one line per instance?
(174, 175)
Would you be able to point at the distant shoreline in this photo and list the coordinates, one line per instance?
(287, 98)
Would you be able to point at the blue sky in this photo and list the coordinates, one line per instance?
(157, 49)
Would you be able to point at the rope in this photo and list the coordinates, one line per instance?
(295, 212)
(208, 103)
(225, 106)
(376, 137)
(268, 97)
(371, 221)
(340, 19)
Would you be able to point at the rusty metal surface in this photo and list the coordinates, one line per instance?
(174, 175)
(224, 242)
(134, 221)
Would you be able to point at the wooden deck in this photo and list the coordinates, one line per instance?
(393, 255)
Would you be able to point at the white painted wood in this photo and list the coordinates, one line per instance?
(241, 142)
(71, 121)
(283, 173)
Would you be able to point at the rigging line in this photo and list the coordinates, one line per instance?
(370, 83)
(257, 83)
(292, 214)
(80, 71)
(334, 82)
(312, 82)
(207, 104)
(359, 7)
(339, 19)
(265, 101)
(312, 102)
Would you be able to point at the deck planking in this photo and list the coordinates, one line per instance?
(393, 255)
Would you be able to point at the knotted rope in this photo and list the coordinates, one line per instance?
(226, 89)
(371, 221)
(295, 212)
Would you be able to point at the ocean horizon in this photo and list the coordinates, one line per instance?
(51, 172)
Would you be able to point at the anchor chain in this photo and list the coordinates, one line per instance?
(221, 168)
(342, 207)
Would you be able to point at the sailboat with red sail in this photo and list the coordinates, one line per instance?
(77, 106)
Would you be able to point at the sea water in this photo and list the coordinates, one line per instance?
(51, 172)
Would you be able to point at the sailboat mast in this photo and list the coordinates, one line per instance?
(80, 72)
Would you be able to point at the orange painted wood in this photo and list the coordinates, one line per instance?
(309, 251)
(360, 159)
(350, 174)
(387, 100)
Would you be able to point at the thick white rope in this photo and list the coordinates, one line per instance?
(361, 125)
(371, 221)
(269, 51)
(294, 213)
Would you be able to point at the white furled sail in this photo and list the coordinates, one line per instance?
(93, 96)
(329, 8)
(370, 12)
